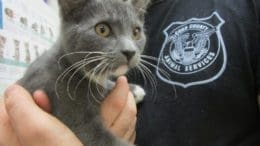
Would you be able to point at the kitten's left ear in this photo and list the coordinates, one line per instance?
(141, 6)
(69, 8)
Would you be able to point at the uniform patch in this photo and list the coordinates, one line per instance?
(193, 52)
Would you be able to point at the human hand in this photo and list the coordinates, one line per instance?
(119, 111)
(23, 123)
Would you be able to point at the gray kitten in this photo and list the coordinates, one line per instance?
(99, 40)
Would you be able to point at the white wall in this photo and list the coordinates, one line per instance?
(35, 12)
(53, 4)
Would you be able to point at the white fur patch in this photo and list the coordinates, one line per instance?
(139, 94)
(121, 70)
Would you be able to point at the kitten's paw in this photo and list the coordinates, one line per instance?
(138, 93)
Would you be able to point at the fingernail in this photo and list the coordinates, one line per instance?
(122, 79)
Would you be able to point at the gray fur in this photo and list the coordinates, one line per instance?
(75, 73)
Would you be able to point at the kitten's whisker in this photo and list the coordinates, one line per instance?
(77, 70)
(80, 52)
(78, 84)
(99, 70)
(63, 74)
(71, 68)
(75, 65)
(149, 57)
(89, 85)
(149, 73)
(151, 78)
(102, 73)
(143, 75)
(71, 77)
(91, 81)
(93, 78)
(155, 67)
(166, 74)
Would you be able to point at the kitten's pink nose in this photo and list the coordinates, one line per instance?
(128, 54)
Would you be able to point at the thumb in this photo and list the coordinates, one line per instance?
(115, 102)
(33, 126)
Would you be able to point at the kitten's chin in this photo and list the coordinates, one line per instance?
(121, 70)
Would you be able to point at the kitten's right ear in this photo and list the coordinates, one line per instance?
(141, 6)
(69, 8)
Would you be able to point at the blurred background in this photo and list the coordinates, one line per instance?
(52, 3)
(27, 29)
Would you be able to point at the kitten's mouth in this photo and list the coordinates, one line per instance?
(121, 70)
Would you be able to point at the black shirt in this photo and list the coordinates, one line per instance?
(207, 74)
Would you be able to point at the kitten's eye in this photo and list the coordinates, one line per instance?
(136, 33)
(103, 29)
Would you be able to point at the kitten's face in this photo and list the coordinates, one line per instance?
(107, 36)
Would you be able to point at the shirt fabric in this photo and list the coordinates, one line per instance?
(207, 74)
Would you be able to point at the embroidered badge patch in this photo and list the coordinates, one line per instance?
(193, 52)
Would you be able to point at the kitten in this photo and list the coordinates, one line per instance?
(99, 40)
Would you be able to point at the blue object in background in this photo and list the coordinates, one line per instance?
(1, 14)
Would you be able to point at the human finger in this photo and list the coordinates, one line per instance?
(7, 134)
(33, 126)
